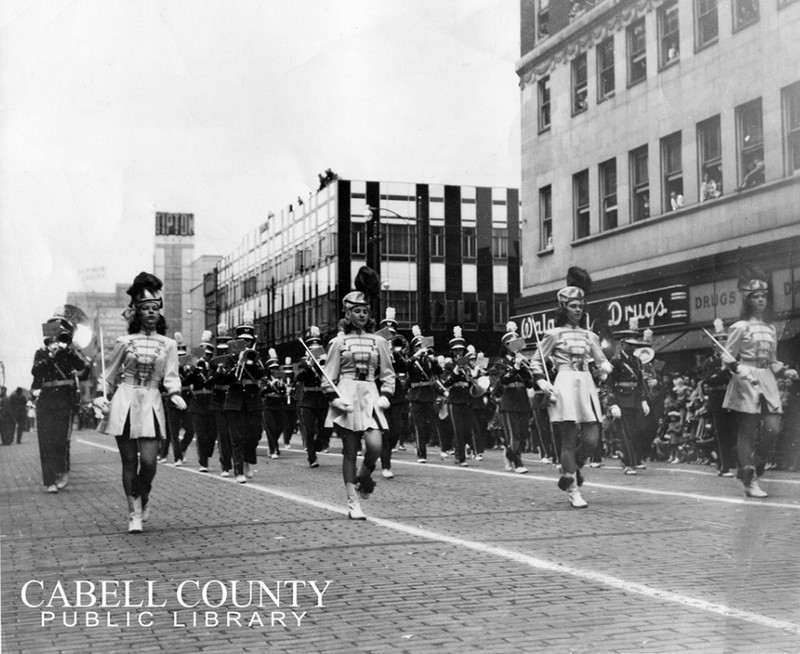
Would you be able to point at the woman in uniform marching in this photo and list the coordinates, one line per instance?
(140, 362)
(575, 411)
(752, 392)
(355, 358)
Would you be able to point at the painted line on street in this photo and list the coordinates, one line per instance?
(524, 559)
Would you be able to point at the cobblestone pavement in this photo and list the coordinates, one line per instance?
(451, 560)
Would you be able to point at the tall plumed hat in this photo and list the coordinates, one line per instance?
(752, 279)
(246, 330)
(206, 342)
(511, 332)
(720, 333)
(222, 338)
(313, 337)
(631, 334)
(181, 344)
(416, 337)
(390, 319)
(472, 353)
(287, 366)
(578, 284)
(146, 287)
(367, 285)
(272, 360)
(457, 341)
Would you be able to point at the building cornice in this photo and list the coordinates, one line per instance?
(584, 33)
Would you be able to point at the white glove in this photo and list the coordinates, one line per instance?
(342, 405)
(546, 386)
(615, 411)
(103, 404)
(383, 403)
(606, 367)
(791, 374)
(776, 367)
(178, 401)
(727, 359)
(645, 408)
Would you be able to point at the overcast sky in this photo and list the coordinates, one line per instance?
(114, 110)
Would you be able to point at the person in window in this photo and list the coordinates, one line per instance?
(141, 361)
(709, 189)
(754, 176)
(575, 410)
(672, 52)
(676, 200)
(356, 357)
(752, 393)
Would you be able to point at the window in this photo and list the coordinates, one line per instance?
(546, 217)
(499, 243)
(668, 34)
(437, 242)
(358, 239)
(405, 305)
(605, 69)
(579, 101)
(544, 19)
(544, 103)
(745, 12)
(672, 173)
(710, 159)
(640, 184)
(398, 240)
(469, 245)
(637, 52)
(750, 141)
(707, 25)
(608, 194)
(580, 190)
(500, 312)
(791, 126)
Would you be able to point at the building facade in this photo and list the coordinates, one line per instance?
(661, 151)
(447, 255)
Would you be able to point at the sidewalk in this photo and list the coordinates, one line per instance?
(451, 560)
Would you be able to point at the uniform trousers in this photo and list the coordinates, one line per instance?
(725, 433)
(224, 439)
(397, 417)
(422, 415)
(176, 420)
(462, 417)
(316, 435)
(273, 421)
(515, 424)
(53, 435)
(245, 428)
(205, 429)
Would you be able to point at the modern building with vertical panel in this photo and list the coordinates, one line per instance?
(447, 255)
(661, 151)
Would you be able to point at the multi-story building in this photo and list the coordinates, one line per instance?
(661, 151)
(447, 255)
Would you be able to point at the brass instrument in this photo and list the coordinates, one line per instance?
(644, 354)
(246, 355)
(400, 344)
(428, 377)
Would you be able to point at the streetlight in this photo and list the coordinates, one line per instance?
(204, 311)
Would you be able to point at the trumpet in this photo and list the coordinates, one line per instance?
(428, 377)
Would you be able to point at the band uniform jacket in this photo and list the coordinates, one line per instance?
(139, 364)
(54, 378)
(243, 390)
(309, 389)
(457, 380)
(716, 377)
(356, 361)
(423, 373)
(201, 381)
(625, 384)
(511, 389)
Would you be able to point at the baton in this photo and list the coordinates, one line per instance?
(718, 344)
(551, 399)
(102, 361)
(321, 369)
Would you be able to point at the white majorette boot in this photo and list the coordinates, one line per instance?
(567, 483)
(135, 518)
(354, 511)
(754, 490)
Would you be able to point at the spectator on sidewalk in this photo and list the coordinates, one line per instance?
(19, 411)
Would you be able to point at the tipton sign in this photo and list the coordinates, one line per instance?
(174, 224)
(663, 307)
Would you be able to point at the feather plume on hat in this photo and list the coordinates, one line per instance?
(368, 282)
(222, 329)
(511, 326)
(579, 277)
(416, 331)
(719, 326)
(457, 332)
(146, 287)
(272, 353)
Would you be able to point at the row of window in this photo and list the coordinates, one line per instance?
(745, 13)
(400, 241)
(750, 160)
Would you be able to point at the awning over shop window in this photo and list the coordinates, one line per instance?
(788, 329)
(694, 339)
(660, 341)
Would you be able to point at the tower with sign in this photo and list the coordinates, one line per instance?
(172, 259)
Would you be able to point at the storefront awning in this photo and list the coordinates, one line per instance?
(660, 341)
(788, 329)
(694, 339)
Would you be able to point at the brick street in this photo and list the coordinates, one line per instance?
(450, 560)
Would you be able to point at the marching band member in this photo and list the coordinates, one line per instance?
(478, 401)
(423, 376)
(290, 403)
(752, 392)
(273, 398)
(457, 380)
(54, 377)
(176, 419)
(514, 378)
(716, 376)
(243, 402)
(220, 367)
(355, 357)
(140, 362)
(627, 398)
(397, 414)
(203, 418)
(311, 402)
(575, 410)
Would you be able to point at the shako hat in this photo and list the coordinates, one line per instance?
(222, 338)
(146, 287)
(246, 330)
(272, 360)
(511, 333)
(578, 284)
(457, 341)
(180, 342)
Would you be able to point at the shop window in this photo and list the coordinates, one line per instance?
(608, 194)
(710, 158)
(640, 184)
(669, 36)
(637, 52)
(605, 69)
(750, 142)
(672, 173)
(580, 190)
